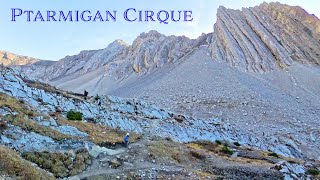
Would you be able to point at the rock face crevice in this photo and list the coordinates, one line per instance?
(266, 37)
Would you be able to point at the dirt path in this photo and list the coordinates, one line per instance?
(153, 158)
(131, 159)
(125, 170)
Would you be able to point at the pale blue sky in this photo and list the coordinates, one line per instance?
(55, 40)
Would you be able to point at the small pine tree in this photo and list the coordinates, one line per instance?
(225, 149)
(314, 172)
(74, 115)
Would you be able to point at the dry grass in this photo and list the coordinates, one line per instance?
(31, 126)
(184, 154)
(26, 124)
(164, 151)
(204, 145)
(223, 151)
(13, 104)
(60, 164)
(205, 175)
(13, 165)
(197, 155)
(195, 146)
(99, 134)
(216, 148)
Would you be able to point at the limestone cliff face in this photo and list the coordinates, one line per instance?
(153, 50)
(266, 37)
(259, 39)
(9, 59)
(148, 52)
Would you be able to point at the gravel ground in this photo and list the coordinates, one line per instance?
(280, 103)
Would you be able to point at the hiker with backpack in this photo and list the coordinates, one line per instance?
(126, 140)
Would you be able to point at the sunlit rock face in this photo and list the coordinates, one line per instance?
(266, 37)
(9, 59)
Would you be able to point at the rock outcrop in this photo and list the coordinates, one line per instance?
(266, 37)
(132, 115)
(153, 50)
(126, 114)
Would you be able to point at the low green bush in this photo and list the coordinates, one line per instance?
(314, 172)
(273, 154)
(97, 97)
(74, 115)
(225, 149)
(218, 142)
(237, 144)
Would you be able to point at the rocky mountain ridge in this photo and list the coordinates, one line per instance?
(258, 39)
(10, 59)
(148, 52)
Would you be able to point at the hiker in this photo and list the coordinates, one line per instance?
(3, 126)
(126, 140)
(99, 102)
(85, 94)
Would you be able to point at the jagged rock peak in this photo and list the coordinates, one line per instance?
(265, 37)
(119, 42)
(152, 33)
(148, 37)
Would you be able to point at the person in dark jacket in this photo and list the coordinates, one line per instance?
(85, 93)
(99, 102)
(126, 140)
